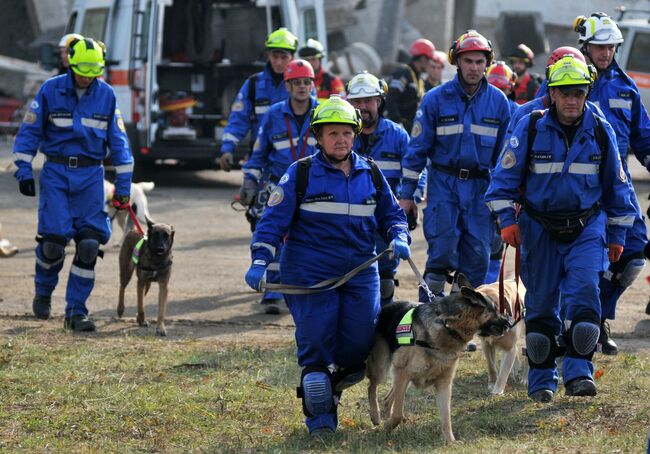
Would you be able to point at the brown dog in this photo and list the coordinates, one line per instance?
(507, 343)
(151, 259)
(438, 334)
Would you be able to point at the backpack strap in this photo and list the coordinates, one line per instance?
(377, 178)
(252, 82)
(601, 136)
(535, 115)
(302, 177)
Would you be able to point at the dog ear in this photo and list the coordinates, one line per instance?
(173, 232)
(474, 297)
(149, 221)
(462, 281)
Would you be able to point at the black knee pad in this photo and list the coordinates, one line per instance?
(386, 289)
(541, 346)
(88, 242)
(316, 391)
(52, 247)
(582, 336)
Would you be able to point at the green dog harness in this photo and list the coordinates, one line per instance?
(404, 330)
(135, 255)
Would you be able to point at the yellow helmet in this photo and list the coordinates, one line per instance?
(335, 110)
(569, 71)
(282, 39)
(86, 57)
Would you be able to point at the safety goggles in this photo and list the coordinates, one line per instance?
(336, 114)
(362, 91)
(606, 37)
(89, 69)
(499, 81)
(569, 76)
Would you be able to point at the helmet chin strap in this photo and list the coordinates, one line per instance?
(334, 160)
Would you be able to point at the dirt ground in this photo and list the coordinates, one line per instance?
(208, 298)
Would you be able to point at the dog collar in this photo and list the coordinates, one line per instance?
(135, 255)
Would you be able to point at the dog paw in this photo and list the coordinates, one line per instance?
(391, 423)
(120, 312)
(375, 420)
(496, 392)
(141, 320)
(161, 331)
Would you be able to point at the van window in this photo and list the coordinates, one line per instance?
(309, 21)
(94, 25)
(639, 51)
(71, 23)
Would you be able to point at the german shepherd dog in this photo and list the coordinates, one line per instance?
(507, 343)
(152, 262)
(440, 333)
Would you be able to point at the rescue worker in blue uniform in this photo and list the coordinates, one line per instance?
(458, 127)
(284, 137)
(618, 97)
(576, 201)
(329, 226)
(385, 142)
(504, 78)
(258, 94)
(75, 121)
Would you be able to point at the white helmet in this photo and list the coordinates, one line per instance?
(365, 85)
(67, 39)
(599, 28)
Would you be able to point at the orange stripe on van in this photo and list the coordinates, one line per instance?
(642, 79)
(119, 76)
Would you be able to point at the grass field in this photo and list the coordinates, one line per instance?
(66, 393)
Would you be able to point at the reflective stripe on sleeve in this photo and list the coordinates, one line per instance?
(255, 173)
(339, 208)
(626, 221)
(23, 157)
(620, 104)
(264, 245)
(229, 137)
(498, 205)
(410, 174)
(124, 168)
(260, 110)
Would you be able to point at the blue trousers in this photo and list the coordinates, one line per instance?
(70, 200)
(635, 240)
(334, 327)
(558, 274)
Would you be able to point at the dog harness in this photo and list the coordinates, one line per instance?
(404, 330)
(135, 255)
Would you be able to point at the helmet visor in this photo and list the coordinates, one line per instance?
(499, 80)
(335, 114)
(568, 76)
(362, 91)
(88, 69)
(607, 36)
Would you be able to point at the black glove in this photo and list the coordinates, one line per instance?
(120, 202)
(27, 187)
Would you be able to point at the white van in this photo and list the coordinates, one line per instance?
(633, 54)
(176, 65)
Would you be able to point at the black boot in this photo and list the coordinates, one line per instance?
(583, 386)
(79, 323)
(42, 306)
(608, 346)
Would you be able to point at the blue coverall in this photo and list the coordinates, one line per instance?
(71, 203)
(246, 117)
(557, 179)
(274, 150)
(329, 233)
(386, 146)
(461, 134)
(618, 97)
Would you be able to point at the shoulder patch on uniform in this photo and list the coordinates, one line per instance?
(284, 178)
(621, 173)
(508, 160)
(34, 105)
(514, 142)
(276, 197)
(417, 129)
(120, 124)
(29, 118)
(419, 113)
(237, 106)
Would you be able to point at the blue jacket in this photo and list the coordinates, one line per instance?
(331, 231)
(272, 152)
(59, 124)
(557, 179)
(618, 97)
(386, 146)
(244, 116)
(454, 130)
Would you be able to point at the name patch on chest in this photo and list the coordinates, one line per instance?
(491, 121)
(324, 197)
(542, 156)
(447, 119)
(594, 158)
(389, 155)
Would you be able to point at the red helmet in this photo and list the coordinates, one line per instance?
(501, 76)
(561, 52)
(470, 41)
(524, 53)
(440, 57)
(298, 69)
(424, 47)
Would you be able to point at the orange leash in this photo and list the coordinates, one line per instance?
(503, 307)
